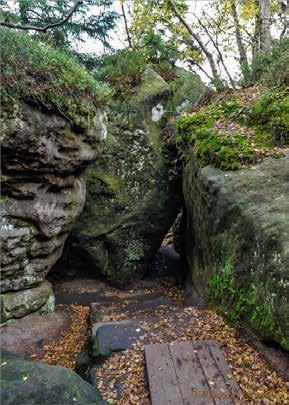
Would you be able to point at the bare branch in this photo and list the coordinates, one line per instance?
(221, 59)
(285, 27)
(126, 26)
(194, 63)
(46, 27)
(197, 38)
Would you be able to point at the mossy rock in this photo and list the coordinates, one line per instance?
(232, 134)
(236, 242)
(16, 304)
(131, 203)
(187, 88)
(27, 382)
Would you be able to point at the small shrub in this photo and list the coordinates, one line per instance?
(33, 71)
(272, 67)
(271, 114)
(123, 69)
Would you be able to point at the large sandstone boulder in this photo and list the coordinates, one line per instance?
(237, 242)
(27, 382)
(131, 203)
(44, 157)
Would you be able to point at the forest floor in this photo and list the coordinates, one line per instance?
(121, 378)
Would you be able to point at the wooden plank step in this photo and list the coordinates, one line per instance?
(189, 373)
(164, 386)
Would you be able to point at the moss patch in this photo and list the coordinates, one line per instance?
(232, 134)
(271, 115)
(239, 303)
(51, 78)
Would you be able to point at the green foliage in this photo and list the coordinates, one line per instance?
(33, 71)
(271, 114)
(272, 67)
(228, 153)
(236, 302)
(123, 69)
(222, 290)
(83, 22)
(255, 130)
(159, 52)
(210, 146)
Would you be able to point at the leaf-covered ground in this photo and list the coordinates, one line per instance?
(64, 352)
(121, 379)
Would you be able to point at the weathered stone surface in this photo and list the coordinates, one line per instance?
(20, 303)
(132, 307)
(26, 382)
(43, 189)
(187, 89)
(28, 335)
(131, 204)
(108, 337)
(237, 242)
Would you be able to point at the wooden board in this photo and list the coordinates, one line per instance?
(189, 373)
(164, 386)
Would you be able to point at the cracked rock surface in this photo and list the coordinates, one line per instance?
(44, 158)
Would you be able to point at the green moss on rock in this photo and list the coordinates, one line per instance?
(231, 136)
(236, 242)
(239, 303)
(20, 303)
(35, 72)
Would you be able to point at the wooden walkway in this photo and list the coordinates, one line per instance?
(189, 373)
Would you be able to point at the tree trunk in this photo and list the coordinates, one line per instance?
(126, 26)
(265, 34)
(262, 35)
(242, 51)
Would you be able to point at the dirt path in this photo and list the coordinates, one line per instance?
(121, 379)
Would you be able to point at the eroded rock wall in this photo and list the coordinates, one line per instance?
(237, 242)
(44, 158)
(131, 202)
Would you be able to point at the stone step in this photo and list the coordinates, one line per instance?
(143, 305)
(108, 337)
(82, 298)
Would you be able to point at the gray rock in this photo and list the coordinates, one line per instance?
(29, 334)
(20, 303)
(129, 185)
(187, 89)
(26, 382)
(132, 307)
(237, 242)
(108, 337)
(43, 189)
(167, 263)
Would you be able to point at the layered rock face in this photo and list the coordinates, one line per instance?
(131, 204)
(43, 191)
(237, 242)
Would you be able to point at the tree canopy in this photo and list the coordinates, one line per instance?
(67, 21)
